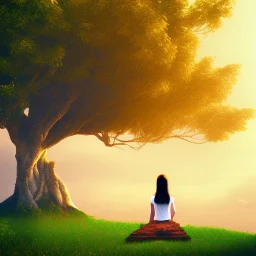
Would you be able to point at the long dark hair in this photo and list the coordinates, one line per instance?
(162, 195)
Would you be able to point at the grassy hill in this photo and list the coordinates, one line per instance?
(88, 236)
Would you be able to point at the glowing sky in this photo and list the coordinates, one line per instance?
(213, 184)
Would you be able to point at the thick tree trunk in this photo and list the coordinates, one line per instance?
(50, 188)
(26, 159)
(37, 187)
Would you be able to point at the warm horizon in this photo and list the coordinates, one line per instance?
(213, 184)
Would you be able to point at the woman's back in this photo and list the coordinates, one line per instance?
(162, 204)
(163, 211)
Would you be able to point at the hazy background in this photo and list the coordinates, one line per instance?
(213, 184)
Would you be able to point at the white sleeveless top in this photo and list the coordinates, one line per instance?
(162, 211)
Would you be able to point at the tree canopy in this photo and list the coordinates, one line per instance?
(114, 67)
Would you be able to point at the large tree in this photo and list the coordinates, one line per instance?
(124, 71)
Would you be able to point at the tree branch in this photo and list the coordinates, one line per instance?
(16, 128)
(76, 121)
(186, 139)
(105, 138)
(56, 135)
(56, 114)
(48, 107)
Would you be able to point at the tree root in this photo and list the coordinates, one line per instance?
(46, 191)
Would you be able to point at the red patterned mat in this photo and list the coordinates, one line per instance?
(168, 230)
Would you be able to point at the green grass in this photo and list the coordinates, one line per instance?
(76, 236)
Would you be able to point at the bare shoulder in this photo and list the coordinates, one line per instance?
(171, 199)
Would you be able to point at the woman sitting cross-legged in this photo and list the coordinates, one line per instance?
(161, 224)
(162, 204)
